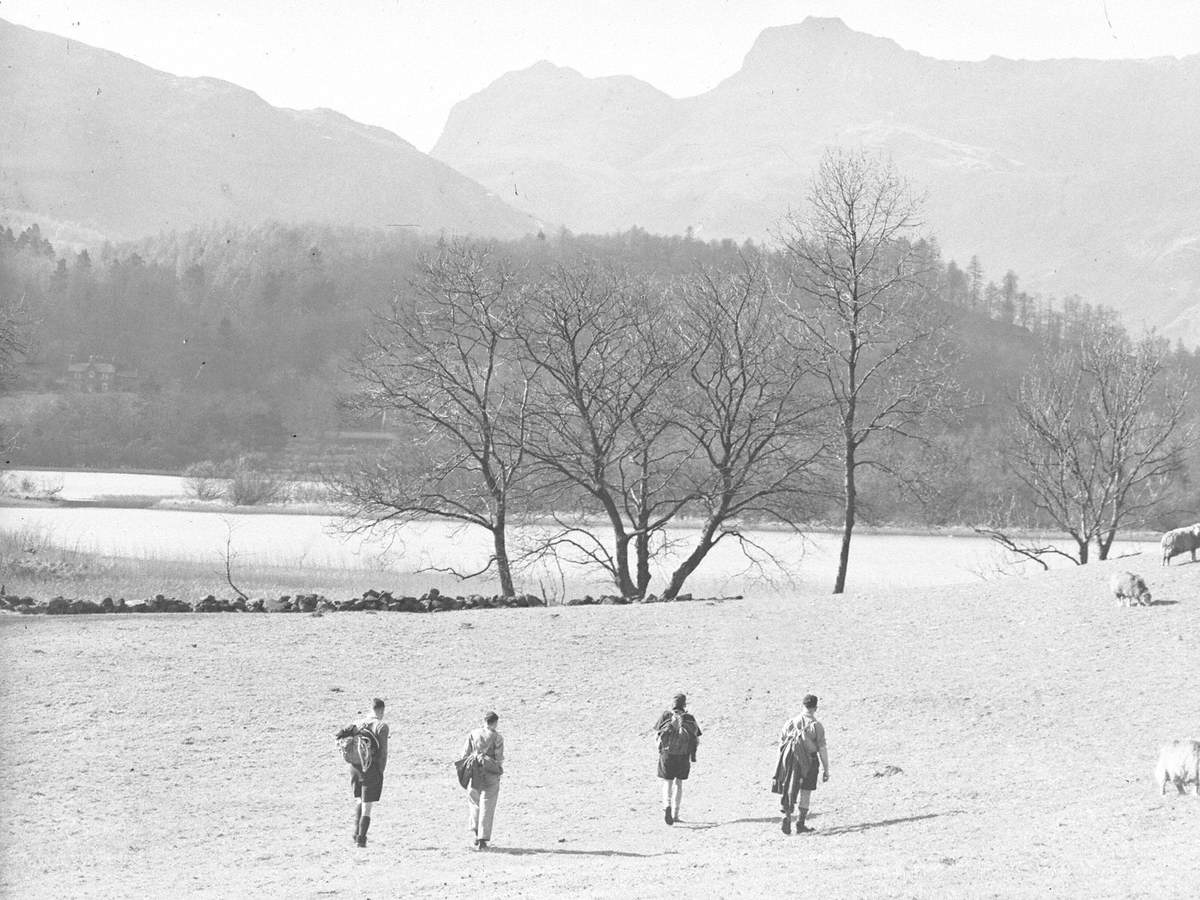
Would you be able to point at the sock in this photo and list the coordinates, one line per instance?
(362, 830)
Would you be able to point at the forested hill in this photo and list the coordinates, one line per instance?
(228, 341)
(1082, 175)
(96, 142)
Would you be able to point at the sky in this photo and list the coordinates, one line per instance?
(402, 64)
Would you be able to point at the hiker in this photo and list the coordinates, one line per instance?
(801, 754)
(486, 746)
(368, 783)
(678, 735)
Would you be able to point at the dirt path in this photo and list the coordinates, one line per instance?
(1024, 717)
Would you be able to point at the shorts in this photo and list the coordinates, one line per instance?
(809, 782)
(368, 787)
(674, 765)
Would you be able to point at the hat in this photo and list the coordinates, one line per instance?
(680, 701)
(810, 701)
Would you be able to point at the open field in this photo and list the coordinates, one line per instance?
(1024, 714)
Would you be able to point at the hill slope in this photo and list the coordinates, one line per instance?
(1080, 175)
(93, 138)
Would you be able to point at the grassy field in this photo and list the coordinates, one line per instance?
(988, 740)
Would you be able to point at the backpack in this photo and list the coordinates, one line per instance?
(677, 735)
(803, 736)
(359, 745)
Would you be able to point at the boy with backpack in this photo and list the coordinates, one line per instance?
(365, 747)
(802, 755)
(678, 736)
(486, 747)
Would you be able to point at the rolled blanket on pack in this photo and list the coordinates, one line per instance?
(792, 766)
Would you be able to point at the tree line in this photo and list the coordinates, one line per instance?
(757, 390)
(843, 373)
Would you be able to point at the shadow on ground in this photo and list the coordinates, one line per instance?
(883, 823)
(839, 829)
(765, 820)
(555, 851)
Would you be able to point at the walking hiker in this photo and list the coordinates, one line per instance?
(678, 736)
(486, 748)
(801, 754)
(365, 747)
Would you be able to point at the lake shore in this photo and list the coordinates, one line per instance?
(331, 510)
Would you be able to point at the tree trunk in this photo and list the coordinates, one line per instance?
(850, 508)
(500, 550)
(691, 563)
(1104, 543)
(624, 581)
(1083, 546)
(641, 547)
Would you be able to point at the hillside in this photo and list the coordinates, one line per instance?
(991, 740)
(1082, 175)
(102, 143)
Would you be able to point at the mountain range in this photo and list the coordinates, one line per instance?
(1082, 176)
(92, 139)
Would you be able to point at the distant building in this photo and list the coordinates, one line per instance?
(98, 376)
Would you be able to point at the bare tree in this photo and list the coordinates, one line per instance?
(1098, 433)
(602, 414)
(749, 409)
(439, 360)
(862, 316)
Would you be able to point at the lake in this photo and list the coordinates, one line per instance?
(786, 563)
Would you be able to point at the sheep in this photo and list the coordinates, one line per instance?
(1129, 589)
(1178, 763)
(1180, 540)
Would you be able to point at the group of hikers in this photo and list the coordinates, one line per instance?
(802, 757)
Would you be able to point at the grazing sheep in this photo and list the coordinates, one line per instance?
(1179, 762)
(1180, 540)
(1129, 589)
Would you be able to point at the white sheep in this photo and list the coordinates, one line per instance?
(1180, 540)
(1129, 589)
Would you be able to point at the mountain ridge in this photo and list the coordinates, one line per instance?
(1080, 175)
(95, 138)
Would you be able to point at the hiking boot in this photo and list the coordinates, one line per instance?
(667, 817)
(786, 824)
(800, 826)
(482, 845)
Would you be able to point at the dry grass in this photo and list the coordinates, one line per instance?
(1024, 716)
(34, 565)
(93, 576)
